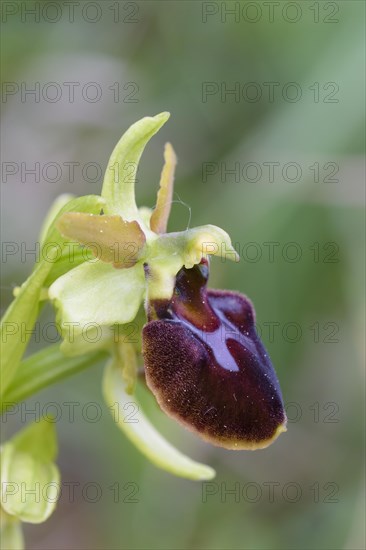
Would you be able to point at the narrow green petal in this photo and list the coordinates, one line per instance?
(160, 216)
(27, 465)
(119, 180)
(96, 294)
(142, 433)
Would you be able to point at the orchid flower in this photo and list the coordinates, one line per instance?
(198, 351)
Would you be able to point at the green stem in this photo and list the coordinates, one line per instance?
(44, 368)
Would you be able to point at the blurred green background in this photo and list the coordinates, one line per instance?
(299, 234)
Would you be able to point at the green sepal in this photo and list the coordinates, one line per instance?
(97, 294)
(119, 180)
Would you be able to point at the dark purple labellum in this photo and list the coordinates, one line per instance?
(207, 367)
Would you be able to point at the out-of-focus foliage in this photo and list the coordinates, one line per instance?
(301, 247)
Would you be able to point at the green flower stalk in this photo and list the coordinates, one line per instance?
(199, 351)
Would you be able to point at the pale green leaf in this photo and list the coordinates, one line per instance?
(42, 369)
(19, 319)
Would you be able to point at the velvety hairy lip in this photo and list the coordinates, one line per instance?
(207, 367)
